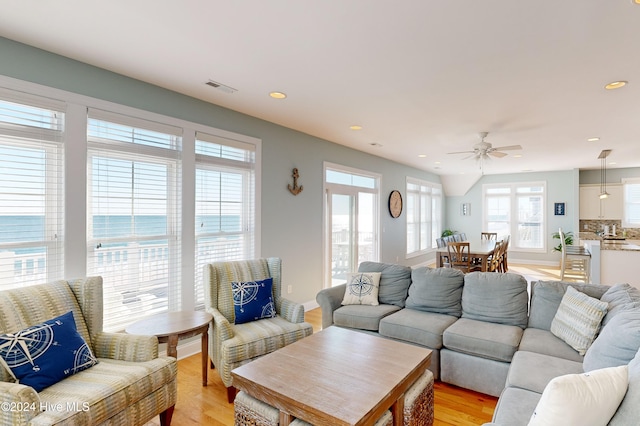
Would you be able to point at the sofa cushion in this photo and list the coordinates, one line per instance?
(46, 353)
(533, 372)
(578, 319)
(617, 343)
(582, 399)
(394, 281)
(514, 407)
(362, 288)
(362, 316)
(436, 290)
(547, 295)
(620, 297)
(629, 410)
(483, 339)
(497, 298)
(423, 328)
(543, 342)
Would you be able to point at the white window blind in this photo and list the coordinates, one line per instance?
(631, 198)
(424, 215)
(31, 189)
(225, 203)
(133, 215)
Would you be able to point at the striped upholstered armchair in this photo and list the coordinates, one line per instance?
(129, 385)
(231, 344)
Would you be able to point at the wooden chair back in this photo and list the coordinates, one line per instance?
(489, 236)
(459, 256)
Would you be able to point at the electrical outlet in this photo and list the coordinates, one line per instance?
(289, 289)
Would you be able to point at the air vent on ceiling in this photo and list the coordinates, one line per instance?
(220, 86)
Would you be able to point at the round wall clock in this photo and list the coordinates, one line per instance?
(395, 203)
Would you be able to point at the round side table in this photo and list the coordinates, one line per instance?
(169, 327)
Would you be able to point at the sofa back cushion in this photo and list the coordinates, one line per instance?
(394, 281)
(620, 297)
(629, 410)
(547, 295)
(617, 343)
(436, 290)
(495, 297)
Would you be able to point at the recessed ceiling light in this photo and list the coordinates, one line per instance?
(616, 85)
(355, 127)
(422, 155)
(595, 139)
(635, 1)
(517, 155)
(437, 162)
(277, 95)
(613, 163)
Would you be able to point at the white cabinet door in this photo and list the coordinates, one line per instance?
(594, 208)
(589, 202)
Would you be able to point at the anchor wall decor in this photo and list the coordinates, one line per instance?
(295, 189)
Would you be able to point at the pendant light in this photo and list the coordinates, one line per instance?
(603, 173)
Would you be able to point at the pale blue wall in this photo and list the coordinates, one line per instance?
(613, 175)
(291, 226)
(562, 186)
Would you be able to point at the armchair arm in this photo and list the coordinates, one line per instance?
(291, 311)
(220, 325)
(329, 300)
(20, 404)
(126, 347)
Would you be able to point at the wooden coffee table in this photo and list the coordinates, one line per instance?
(335, 377)
(169, 327)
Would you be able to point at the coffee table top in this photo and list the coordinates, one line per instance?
(336, 376)
(168, 323)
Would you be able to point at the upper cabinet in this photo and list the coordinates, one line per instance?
(594, 208)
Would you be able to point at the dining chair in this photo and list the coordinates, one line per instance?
(575, 261)
(463, 236)
(459, 256)
(496, 258)
(457, 238)
(489, 236)
(504, 267)
(441, 243)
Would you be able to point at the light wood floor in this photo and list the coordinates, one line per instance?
(199, 405)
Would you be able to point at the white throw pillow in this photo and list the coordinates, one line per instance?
(577, 321)
(587, 399)
(362, 288)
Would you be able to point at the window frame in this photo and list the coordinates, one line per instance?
(514, 220)
(627, 183)
(432, 194)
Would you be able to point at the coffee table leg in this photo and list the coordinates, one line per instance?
(172, 345)
(397, 409)
(204, 353)
(285, 418)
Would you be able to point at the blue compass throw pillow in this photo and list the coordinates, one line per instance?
(44, 354)
(253, 300)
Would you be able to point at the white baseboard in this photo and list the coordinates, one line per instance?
(185, 349)
(310, 305)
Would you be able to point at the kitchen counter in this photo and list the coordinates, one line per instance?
(617, 243)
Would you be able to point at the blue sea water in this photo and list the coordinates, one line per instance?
(23, 228)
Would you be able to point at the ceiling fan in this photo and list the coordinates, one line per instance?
(484, 150)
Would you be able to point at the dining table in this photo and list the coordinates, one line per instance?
(481, 250)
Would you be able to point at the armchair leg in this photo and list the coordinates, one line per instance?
(231, 394)
(165, 416)
(213, 367)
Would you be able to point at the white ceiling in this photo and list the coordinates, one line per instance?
(420, 76)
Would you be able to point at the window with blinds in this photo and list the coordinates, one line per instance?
(225, 203)
(424, 215)
(133, 215)
(31, 189)
(631, 200)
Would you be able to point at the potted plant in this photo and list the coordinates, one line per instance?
(447, 232)
(568, 239)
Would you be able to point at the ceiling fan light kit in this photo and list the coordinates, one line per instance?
(483, 151)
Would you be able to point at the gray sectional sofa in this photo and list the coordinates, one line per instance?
(491, 333)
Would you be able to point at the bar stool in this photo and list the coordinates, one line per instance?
(575, 261)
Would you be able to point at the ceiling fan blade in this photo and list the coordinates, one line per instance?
(469, 156)
(498, 154)
(461, 152)
(507, 148)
